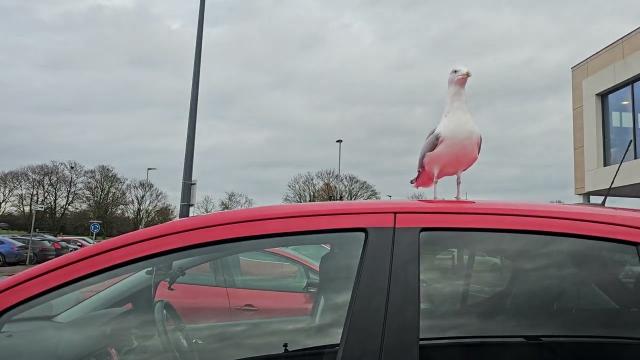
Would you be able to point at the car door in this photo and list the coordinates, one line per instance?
(266, 284)
(481, 280)
(199, 295)
(347, 323)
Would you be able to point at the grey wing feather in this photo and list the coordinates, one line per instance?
(480, 145)
(430, 144)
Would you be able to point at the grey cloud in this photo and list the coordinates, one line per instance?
(108, 82)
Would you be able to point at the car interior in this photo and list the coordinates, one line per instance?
(535, 300)
(116, 315)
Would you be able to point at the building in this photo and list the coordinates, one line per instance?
(606, 116)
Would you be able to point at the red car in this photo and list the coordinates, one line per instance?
(243, 284)
(395, 280)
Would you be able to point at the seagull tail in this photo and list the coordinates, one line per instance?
(424, 179)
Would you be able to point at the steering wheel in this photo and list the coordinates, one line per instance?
(172, 332)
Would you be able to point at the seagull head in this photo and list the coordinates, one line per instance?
(458, 76)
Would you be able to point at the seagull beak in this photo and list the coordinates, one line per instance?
(467, 73)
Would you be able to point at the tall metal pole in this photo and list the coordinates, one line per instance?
(187, 173)
(150, 169)
(33, 222)
(339, 141)
(142, 220)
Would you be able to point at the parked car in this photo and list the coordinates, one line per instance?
(85, 239)
(399, 280)
(75, 242)
(69, 244)
(79, 242)
(4, 226)
(11, 251)
(41, 250)
(290, 278)
(61, 247)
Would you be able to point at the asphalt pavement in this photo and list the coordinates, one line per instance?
(11, 270)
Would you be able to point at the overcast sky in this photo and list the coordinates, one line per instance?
(108, 82)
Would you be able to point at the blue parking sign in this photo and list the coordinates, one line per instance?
(95, 228)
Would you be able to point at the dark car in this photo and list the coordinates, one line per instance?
(85, 239)
(4, 226)
(11, 251)
(41, 250)
(62, 247)
(69, 244)
(75, 242)
(437, 280)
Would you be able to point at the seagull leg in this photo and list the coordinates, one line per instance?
(458, 183)
(435, 188)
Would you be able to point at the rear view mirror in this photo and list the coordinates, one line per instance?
(312, 286)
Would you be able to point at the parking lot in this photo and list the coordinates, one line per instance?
(11, 270)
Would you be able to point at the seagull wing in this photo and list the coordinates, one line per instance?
(430, 144)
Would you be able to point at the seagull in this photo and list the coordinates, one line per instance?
(454, 145)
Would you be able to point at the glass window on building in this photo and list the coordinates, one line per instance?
(618, 125)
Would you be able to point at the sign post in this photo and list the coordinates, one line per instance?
(34, 208)
(94, 227)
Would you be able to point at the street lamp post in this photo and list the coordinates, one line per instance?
(34, 208)
(150, 169)
(187, 173)
(339, 142)
(142, 220)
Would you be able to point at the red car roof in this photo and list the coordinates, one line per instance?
(595, 214)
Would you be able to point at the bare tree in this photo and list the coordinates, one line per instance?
(8, 189)
(354, 188)
(302, 188)
(419, 195)
(72, 195)
(235, 200)
(56, 185)
(164, 213)
(206, 205)
(63, 189)
(30, 190)
(327, 185)
(145, 200)
(105, 194)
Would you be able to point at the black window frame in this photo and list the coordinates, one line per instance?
(634, 118)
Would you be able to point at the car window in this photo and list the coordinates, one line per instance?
(201, 274)
(145, 310)
(266, 271)
(482, 283)
(312, 252)
(72, 298)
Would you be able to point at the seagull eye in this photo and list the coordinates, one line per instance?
(455, 71)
